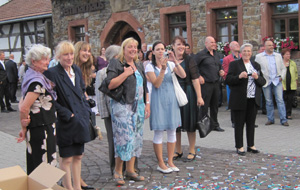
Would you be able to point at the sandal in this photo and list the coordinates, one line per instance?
(191, 159)
(118, 178)
(134, 176)
(177, 155)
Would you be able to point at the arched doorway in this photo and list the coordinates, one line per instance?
(119, 27)
(119, 32)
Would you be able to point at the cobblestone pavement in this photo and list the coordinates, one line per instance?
(216, 166)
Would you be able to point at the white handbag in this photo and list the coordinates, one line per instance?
(180, 94)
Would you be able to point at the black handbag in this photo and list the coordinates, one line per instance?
(91, 102)
(203, 123)
(115, 94)
(93, 130)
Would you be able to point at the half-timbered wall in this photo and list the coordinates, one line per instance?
(17, 37)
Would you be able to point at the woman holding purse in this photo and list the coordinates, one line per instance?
(129, 113)
(191, 86)
(165, 112)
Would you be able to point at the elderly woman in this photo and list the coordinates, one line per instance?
(165, 112)
(73, 113)
(37, 110)
(103, 103)
(128, 115)
(245, 80)
(289, 83)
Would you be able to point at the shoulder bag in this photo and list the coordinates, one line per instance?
(180, 94)
(115, 94)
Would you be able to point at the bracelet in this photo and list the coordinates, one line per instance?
(148, 102)
(176, 65)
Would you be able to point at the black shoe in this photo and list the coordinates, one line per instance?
(87, 187)
(255, 126)
(177, 155)
(233, 125)
(254, 151)
(241, 153)
(219, 129)
(4, 111)
(15, 101)
(190, 159)
(264, 112)
(11, 110)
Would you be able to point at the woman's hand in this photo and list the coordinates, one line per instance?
(200, 101)
(163, 63)
(128, 71)
(22, 135)
(243, 74)
(25, 122)
(254, 75)
(147, 111)
(172, 57)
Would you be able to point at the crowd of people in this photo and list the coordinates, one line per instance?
(55, 110)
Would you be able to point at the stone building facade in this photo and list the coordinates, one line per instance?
(107, 22)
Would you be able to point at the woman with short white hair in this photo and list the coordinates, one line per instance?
(37, 110)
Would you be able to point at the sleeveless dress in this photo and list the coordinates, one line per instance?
(128, 122)
(165, 112)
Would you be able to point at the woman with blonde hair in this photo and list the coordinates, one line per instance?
(129, 113)
(73, 113)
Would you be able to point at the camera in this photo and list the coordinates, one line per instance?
(166, 54)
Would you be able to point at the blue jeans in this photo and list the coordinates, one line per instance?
(278, 93)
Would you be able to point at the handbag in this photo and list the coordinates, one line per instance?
(115, 94)
(180, 94)
(295, 102)
(94, 130)
(91, 102)
(203, 123)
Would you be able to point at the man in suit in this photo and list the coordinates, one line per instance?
(209, 65)
(12, 76)
(274, 71)
(4, 88)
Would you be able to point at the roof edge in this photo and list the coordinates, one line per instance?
(26, 18)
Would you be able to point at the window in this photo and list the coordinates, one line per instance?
(79, 33)
(227, 25)
(177, 26)
(285, 20)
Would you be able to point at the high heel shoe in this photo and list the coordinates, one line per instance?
(241, 153)
(254, 151)
(118, 178)
(134, 176)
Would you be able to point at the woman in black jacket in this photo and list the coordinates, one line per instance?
(245, 80)
(73, 113)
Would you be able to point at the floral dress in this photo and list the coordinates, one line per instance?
(40, 135)
(127, 124)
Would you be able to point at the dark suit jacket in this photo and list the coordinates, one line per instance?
(70, 100)
(238, 87)
(3, 74)
(12, 71)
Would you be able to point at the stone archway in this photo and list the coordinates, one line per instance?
(121, 25)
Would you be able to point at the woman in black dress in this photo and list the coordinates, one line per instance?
(191, 86)
(37, 110)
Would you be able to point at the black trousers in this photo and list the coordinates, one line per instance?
(4, 92)
(288, 101)
(210, 95)
(241, 117)
(13, 90)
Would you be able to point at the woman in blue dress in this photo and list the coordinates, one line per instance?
(128, 115)
(165, 112)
